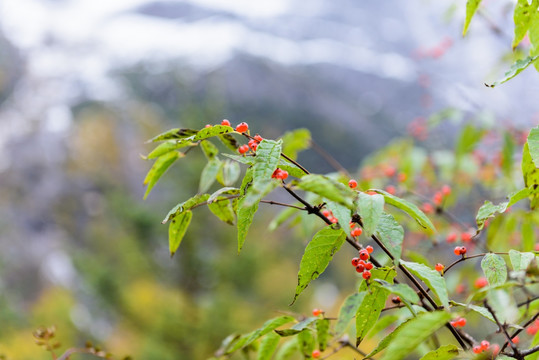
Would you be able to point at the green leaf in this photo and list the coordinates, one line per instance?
(306, 343)
(247, 160)
(522, 16)
(387, 340)
(159, 167)
(329, 189)
(186, 205)
(402, 290)
(176, 230)
(446, 352)
(222, 208)
(383, 323)
(223, 191)
(209, 150)
(533, 144)
(533, 33)
(288, 349)
(471, 8)
(515, 69)
(297, 328)
(212, 131)
(478, 309)
(489, 210)
(410, 209)
(268, 345)
(167, 147)
(507, 154)
(520, 260)
(174, 134)
(342, 213)
(531, 176)
(208, 175)
(229, 141)
(370, 209)
(317, 256)
(292, 169)
(468, 139)
(414, 332)
(322, 333)
(266, 160)
(432, 278)
(229, 173)
(296, 141)
(268, 326)
(244, 215)
(494, 268)
(348, 311)
(374, 301)
(391, 233)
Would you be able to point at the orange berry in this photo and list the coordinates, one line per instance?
(225, 122)
(366, 275)
(316, 354)
(364, 254)
(243, 149)
(355, 262)
(258, 138)
(390, 171)
(207, 126)
(516, 340)
(466, 237)
(369, 249)
(451, 237)
(439, 267)
(317, 312)
(477, 349)
(401, 177)
(446, 190)
(369, 266)
(480, 282)
(360, 268)
(357, 232)
(242, 127)
(437, 198)
(427, 208)
(352, 184)
(485, 345)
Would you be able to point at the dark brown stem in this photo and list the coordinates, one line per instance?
(516, 352)
(528, 323)
(528, 302)
(464, 258)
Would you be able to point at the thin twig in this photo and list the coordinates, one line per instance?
(330, 159)
(528, 323)
(504, 330)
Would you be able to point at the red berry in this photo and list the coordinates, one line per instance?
(326, 213)
(280, 174)
(207, 126)
(357, 232)
(446, 190)
(463, 250)
(461, 322)
(480, 282)
(484, 345)
(533, 328)
(396, 300)
(390, 171)
(451, 237)
(352, 225)
(242, 127)
(477, 349)
(439, 267)
(391, 189)
(243, 149)
(355, 261)
(369, 266)
(438, 198)
(334, 220)
(316, 354)
(369, 249)
(466, 237)
(366, 275)
(427, 208)
(401, 177)
(225, 122)
(352, 184)
(516, 340)
(460, 250)
(364, 254)
(360, 268)
(317, 312)
(495, 348)
(253, 144)
(258, 138)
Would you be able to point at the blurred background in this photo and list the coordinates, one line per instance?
(84, 83)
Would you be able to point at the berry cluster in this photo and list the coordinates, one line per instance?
(484, 346)
(280, 174)
(466, 236)
(330, 216)
(460, 250)
(355, 231)
(361, 263)
(460, 322)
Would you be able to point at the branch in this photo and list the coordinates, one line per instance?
(523, 327)
(504, 330)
